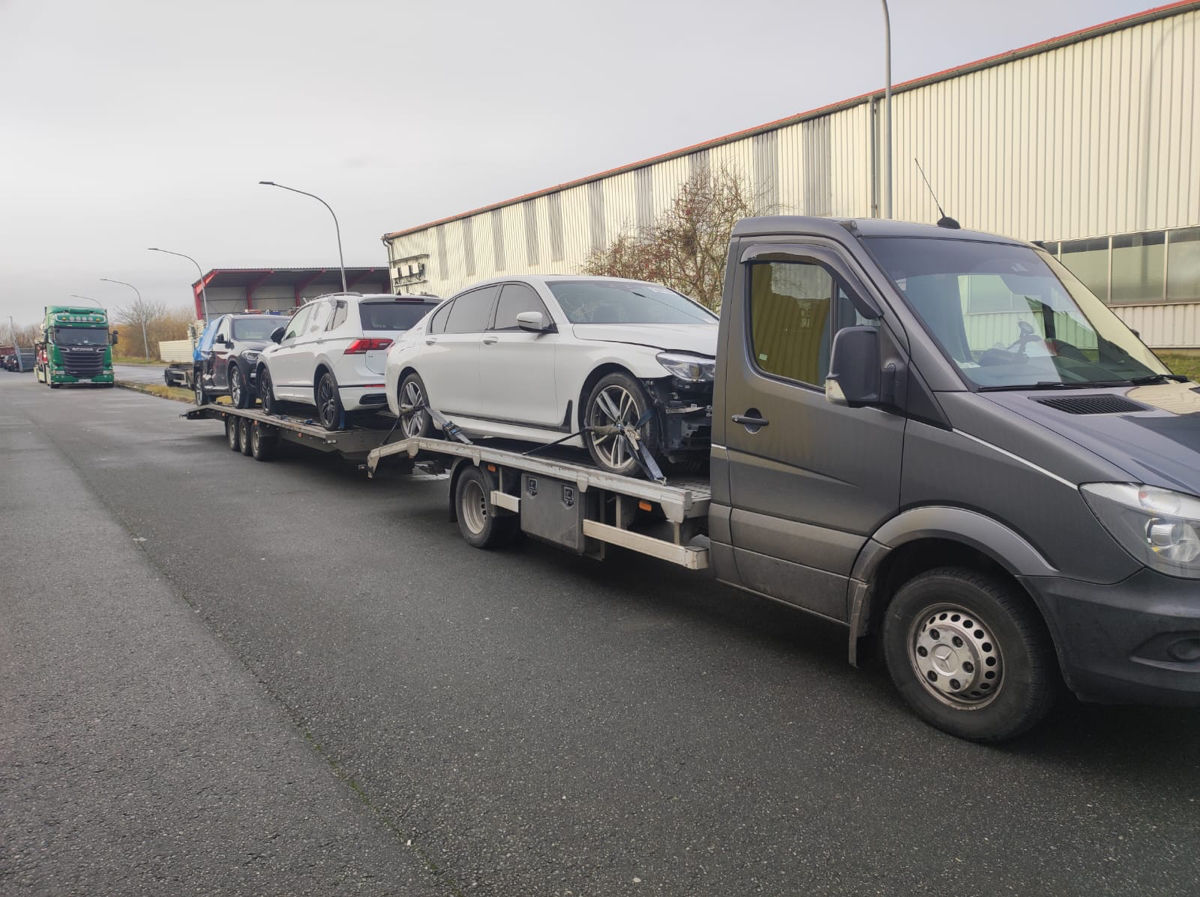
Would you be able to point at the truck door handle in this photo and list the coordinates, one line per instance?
(488, 340)
(750, 420)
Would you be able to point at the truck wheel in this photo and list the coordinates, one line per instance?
(616, 400)
(263, 440)
(412, 392)
(266, 391)
(329, 403)
(477, 520)
(231, 433)
(244, 434)
(238, 392)
(969, 654)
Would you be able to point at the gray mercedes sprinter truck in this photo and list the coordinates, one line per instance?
(941, 438)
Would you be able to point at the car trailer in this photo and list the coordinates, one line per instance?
(254, 432)
(496, 493)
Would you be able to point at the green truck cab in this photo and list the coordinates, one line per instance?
(75, 346)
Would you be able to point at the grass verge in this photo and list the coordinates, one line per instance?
(1187, 365)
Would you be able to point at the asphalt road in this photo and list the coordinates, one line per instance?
(139, 373)
(285, 678)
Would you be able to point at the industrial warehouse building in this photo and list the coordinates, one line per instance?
(1089, 143)
(230, 290)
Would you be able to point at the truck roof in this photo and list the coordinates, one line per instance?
(837, 228)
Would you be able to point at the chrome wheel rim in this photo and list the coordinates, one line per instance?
(615, 408)
(411, 394)
(474, 507)
(956, 657)
(235, 386)
(264, 388)
(199, 393)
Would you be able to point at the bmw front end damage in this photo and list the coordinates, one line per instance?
(683, 403)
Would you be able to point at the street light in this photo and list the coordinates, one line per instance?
(341, 263)
(88, 298)
(203, 294)
(887, 189)
(141, 312)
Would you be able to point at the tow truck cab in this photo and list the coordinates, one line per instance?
(941, 438)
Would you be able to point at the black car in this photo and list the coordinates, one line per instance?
(227, 356)
(24, 363)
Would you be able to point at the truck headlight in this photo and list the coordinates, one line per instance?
(1159, 527)
(694, 368)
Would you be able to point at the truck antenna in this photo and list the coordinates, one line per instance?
(945, 221)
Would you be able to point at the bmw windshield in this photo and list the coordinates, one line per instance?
(1012, 317)
(626, 302)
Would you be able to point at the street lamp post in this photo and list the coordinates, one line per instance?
(337, 229)
(203, 293)
(887, 57)
(141, 312)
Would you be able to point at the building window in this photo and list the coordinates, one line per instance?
(1183, 265)
(1137, 269)
(1088, 260)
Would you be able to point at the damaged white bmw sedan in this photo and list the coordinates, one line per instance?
(564, 358)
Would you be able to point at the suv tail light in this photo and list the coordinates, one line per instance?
(362, 346)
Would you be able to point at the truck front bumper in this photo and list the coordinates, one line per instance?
(1136, 641)
(64, 377)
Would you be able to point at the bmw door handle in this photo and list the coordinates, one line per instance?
(430, 341)
(489, 340)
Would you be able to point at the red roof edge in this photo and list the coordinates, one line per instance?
(1118, 24)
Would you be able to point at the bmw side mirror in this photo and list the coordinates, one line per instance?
(533, 321)
(276, 334)
(854, 367)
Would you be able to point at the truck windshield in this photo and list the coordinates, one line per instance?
(1012, 317)
(617, 302)
(258, 327)
(81, 336)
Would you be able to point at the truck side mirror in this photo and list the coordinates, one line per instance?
(114, 337)
(854, 364)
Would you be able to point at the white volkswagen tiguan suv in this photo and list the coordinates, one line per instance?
(331, 354)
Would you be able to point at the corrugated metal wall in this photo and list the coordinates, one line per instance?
(1099, 136)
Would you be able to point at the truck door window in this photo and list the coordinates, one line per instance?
(795, 308)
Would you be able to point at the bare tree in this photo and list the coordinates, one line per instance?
(138, 318)
(685, 247)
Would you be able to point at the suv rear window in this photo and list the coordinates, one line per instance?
(392, 315)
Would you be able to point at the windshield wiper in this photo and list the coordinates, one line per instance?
(1156, 378)
(1056, 384)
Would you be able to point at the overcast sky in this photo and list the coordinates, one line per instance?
(133, 123)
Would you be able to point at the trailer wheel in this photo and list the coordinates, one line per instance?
(477, 520)
(231, 434)
(969, 654)
(244, 428)
(263, 440)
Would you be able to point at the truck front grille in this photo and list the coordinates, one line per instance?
(82, 362)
